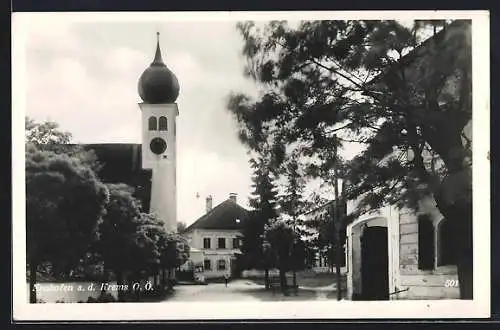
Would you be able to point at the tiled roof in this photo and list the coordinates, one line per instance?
(222, 217)
(121, 163)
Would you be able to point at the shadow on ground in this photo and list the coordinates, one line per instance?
(307, 280)
(293, 295)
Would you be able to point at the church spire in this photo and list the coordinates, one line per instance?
(158, 59)
(157, 84)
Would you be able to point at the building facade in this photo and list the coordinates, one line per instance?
(397, 253)
(217, 234)
(401, 254)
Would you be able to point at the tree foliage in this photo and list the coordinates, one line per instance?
(377, 84)
(72, 218)
(64, 202)
(117, 239)
(292, 201)
(264, 203)
(132, 241)
(48, 136)
(288, 250)
(181, 226)
(321, 80)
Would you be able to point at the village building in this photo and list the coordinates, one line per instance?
(215, 238)
(399, 253)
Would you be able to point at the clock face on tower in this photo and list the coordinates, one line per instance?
(158, 145)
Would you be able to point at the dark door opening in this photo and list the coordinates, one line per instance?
(374, 264)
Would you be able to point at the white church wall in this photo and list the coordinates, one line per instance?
(163, 188)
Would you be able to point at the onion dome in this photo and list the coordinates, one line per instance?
(157, 83)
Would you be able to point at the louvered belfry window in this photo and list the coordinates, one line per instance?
(163, 123)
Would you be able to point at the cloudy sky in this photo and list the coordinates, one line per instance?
(83, 75)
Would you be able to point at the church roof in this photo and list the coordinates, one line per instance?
(222, 217)
(121, 163)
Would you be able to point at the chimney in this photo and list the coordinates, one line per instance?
(209, 203)
(232, 196)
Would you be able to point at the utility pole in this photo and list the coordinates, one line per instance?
(337, 226)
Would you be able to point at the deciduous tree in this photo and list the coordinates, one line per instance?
(64, 202)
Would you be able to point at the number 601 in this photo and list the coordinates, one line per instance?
(451, 283)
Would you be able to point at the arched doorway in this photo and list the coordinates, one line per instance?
(374, 264)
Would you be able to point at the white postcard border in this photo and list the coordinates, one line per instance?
(477, 308)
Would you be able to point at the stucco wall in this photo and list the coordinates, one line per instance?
(195, 239)
(214, 259)
(404, 275)
(416, 283)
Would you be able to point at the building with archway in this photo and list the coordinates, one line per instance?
(400, 253)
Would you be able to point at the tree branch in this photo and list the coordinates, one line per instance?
(338, 128)
(336, 71)
(355, 141)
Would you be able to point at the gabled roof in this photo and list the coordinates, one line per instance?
(423, 48)
(222, 217)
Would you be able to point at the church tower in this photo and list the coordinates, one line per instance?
(159, 88)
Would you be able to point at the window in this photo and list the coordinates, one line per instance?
(152, 125)
(163, 124)
(221, 264)
(221, 243)
(445, 243)
(207, 265)
(236, 243)
(206, 243)
(425, 243)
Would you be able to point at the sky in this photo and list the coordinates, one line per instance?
(84, 74)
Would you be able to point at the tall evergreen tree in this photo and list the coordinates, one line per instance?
(293, 205)
(281, 238)
(263, 202)
(292, 201)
